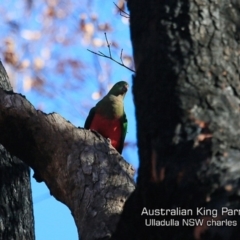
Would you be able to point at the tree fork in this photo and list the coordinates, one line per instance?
(80, 167)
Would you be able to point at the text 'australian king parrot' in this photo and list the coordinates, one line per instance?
(108, 117)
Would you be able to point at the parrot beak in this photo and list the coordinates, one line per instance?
(125, 88)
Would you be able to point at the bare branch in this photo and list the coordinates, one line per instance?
(122, 12)
(110, 55)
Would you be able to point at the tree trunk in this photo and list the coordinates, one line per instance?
(16, 210)
(187, 95)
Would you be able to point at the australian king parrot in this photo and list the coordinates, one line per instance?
(108, 117)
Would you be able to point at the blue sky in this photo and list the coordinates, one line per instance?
(53, 220)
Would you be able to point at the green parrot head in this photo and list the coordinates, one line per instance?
(120, 88)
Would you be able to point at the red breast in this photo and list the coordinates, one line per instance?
(108, 128)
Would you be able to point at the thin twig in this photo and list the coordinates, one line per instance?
(121, 56)
(122, 11)
(110, 55)
(108, 45)
(103, 55)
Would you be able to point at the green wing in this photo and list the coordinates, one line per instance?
(90, 118)
(124, 132)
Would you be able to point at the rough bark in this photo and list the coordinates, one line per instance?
(80, 167)
(187, 95)
(16, 211)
